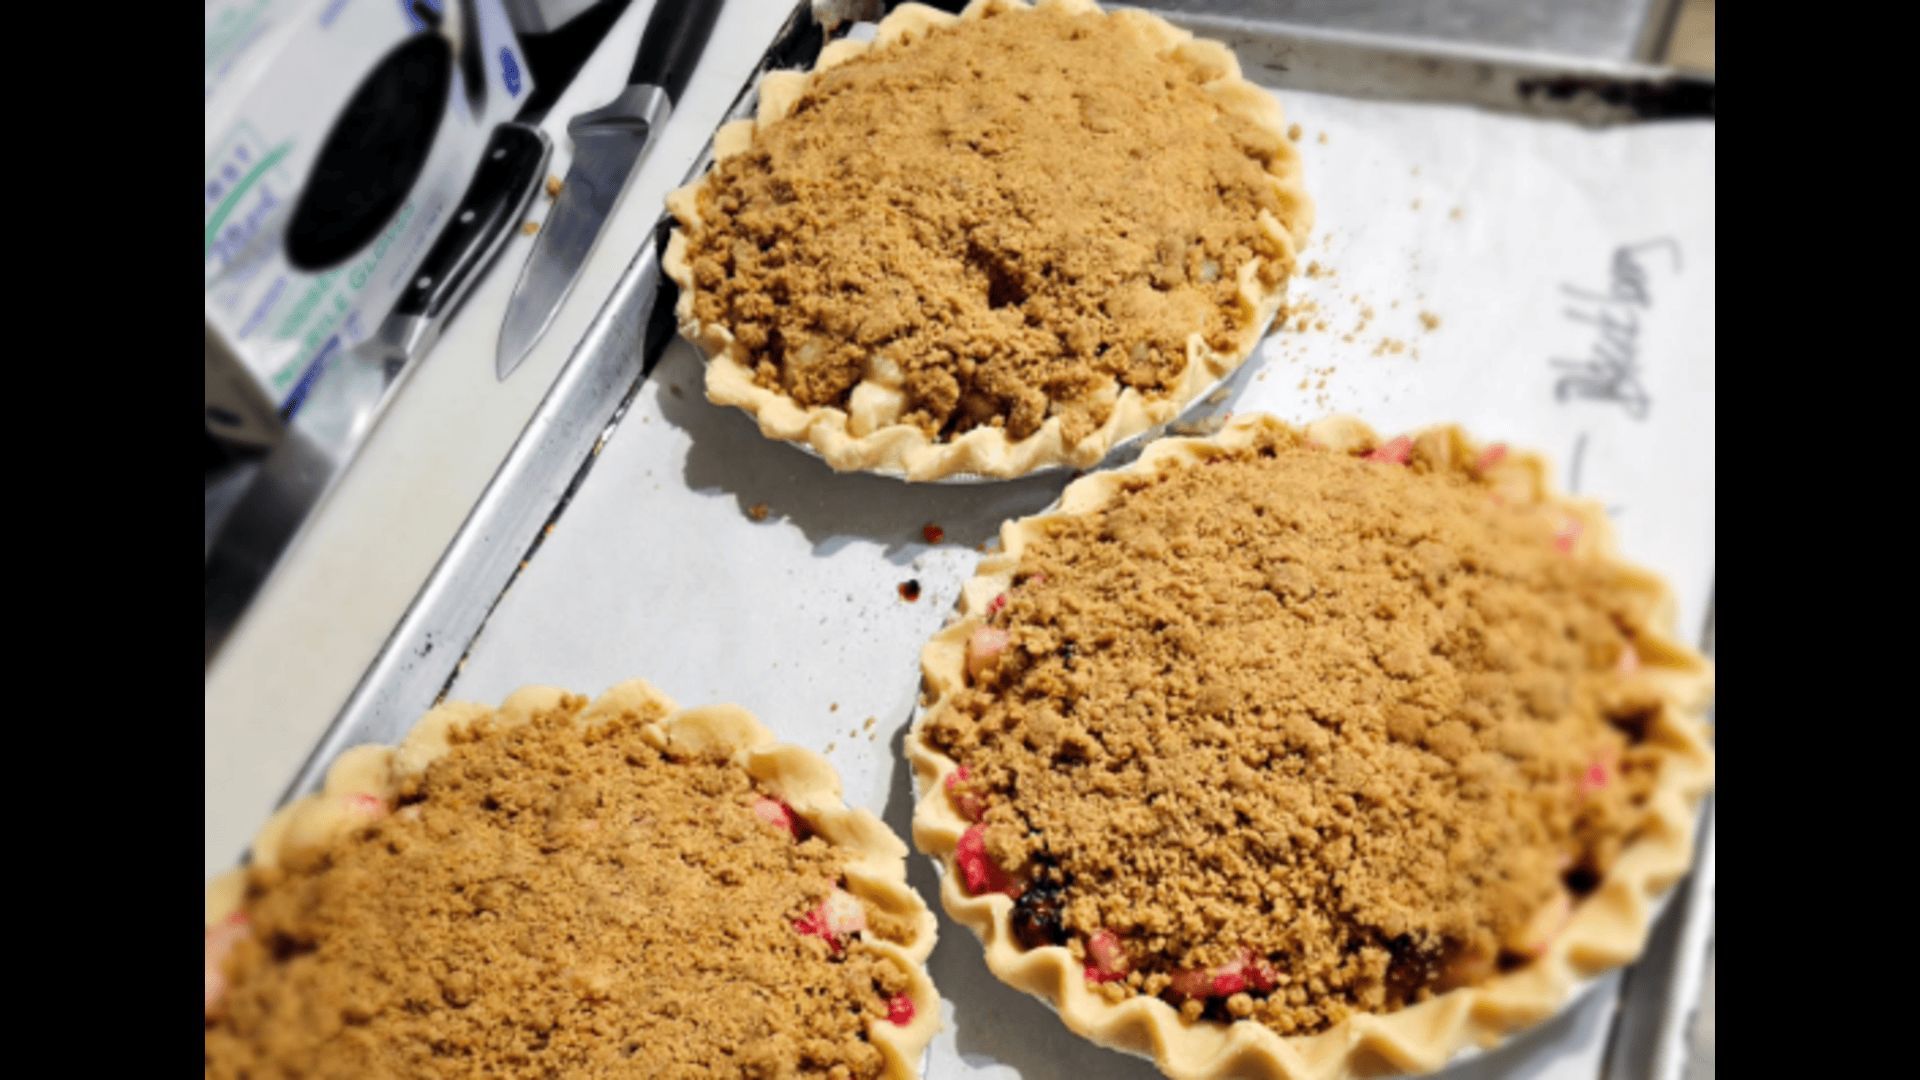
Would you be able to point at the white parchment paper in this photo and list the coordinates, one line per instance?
(1568, 276)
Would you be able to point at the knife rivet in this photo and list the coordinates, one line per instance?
(499, 153)
(466, 216)
(423, 282)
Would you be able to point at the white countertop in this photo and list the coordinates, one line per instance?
(318, 622)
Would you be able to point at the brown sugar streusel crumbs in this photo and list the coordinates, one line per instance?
(1294, 735)
(1010, 217)
(556, 900)
(758, 511)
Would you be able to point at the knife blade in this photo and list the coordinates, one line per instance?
(347, 394)
(608, 143)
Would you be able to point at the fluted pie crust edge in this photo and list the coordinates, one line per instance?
(899, 449)
(1608, 928)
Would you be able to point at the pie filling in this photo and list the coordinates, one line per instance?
(1295, 734)
(994, 222)
(560, 899)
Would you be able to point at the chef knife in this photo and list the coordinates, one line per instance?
(607, 144)
(346, 394)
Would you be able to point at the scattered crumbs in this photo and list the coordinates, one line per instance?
(548, 531)
(1217, 396)
(910, 590)
(1429, 320)
(1456, 213)
(1323, 139)
(1294, 133)
(933, 533)
(553, 186)
(1416, 204)
(869, 723)
(830, 747)
(1320, 325)
(1315, 270)
(758, 511)
(1390, 347)
(530, 227)
(1346, 339)
(675, 390)
(835, 707)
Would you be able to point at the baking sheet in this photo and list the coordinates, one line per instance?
(1567, 278)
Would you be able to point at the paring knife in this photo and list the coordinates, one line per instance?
(347, 394)
(608, 143)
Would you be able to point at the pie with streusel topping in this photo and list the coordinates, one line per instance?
(563, 888)
(990, 243)
(1304, 753)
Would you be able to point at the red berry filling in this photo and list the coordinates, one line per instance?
(1399, 451)
(1249, 972)
(1598, 773)
(977, 871)
(834, 920)
(1106, 959)
(984, 649)
(1491, 456)
(777, 814)
(900, 1009)
(1568, 535)
(967, 804)
(221, 938)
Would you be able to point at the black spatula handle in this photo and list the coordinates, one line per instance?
(510, 171)
(671, 45)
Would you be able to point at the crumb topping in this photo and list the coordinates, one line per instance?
(1000, 220)
(559, 899)
(1293, 734)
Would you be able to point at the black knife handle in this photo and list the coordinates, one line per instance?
(670, 46)
(510, 170)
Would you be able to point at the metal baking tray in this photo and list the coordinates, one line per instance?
(501, 601)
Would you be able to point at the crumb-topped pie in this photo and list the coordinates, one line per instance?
(1304, 753)
(564, 888)
(989, 243)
